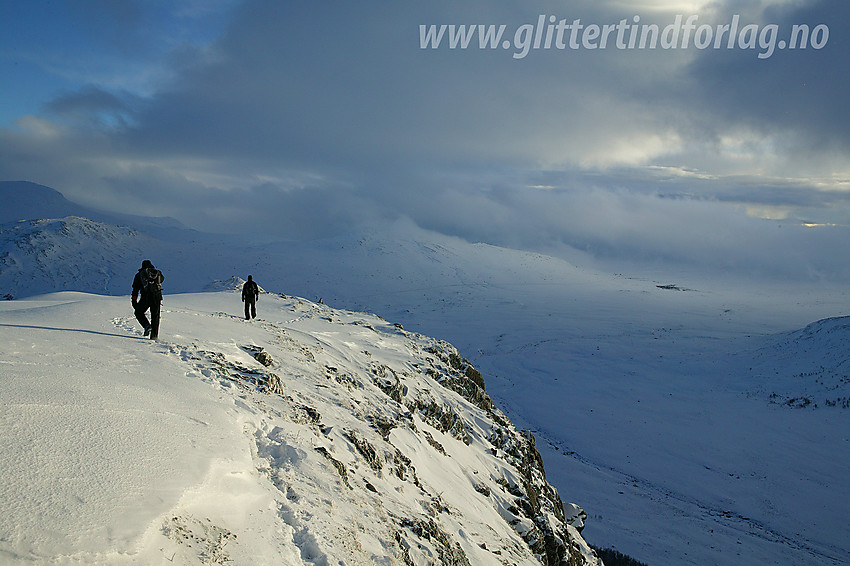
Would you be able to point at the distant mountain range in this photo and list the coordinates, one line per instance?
(87, 250)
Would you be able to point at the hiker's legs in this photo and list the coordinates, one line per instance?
(253, 309)
(140, 315)
(155, 308)
(247, 310)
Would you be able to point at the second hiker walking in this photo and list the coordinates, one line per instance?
(250, 295)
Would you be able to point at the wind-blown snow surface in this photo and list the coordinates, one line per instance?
(312, 436)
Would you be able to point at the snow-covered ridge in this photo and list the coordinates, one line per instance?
(233, 283)
(311, 436)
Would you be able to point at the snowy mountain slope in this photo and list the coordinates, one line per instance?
(399, 261)
(313, 436)
(399, 265)
(72, 253)
(805, 368)
(24, 200)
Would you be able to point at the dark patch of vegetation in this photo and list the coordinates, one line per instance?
(613, 557)
(799, 402)
(793, 402)
(673, 288)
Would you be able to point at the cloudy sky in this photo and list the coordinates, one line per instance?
(308, 119)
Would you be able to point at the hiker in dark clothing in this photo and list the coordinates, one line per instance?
(250, 294)
(148, 282)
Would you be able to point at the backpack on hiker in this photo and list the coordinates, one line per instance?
(250, 290)
(151, 284)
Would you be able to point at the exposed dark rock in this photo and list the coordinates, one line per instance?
(340, 467)
(365, 449)
(387, 380)
(523, 497)
(436, 445)
(449, 552)
(442, 417)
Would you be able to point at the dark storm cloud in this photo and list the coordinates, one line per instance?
(94, 107)
(349, 84)
(799, 94)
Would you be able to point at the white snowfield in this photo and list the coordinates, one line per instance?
(308, 436)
